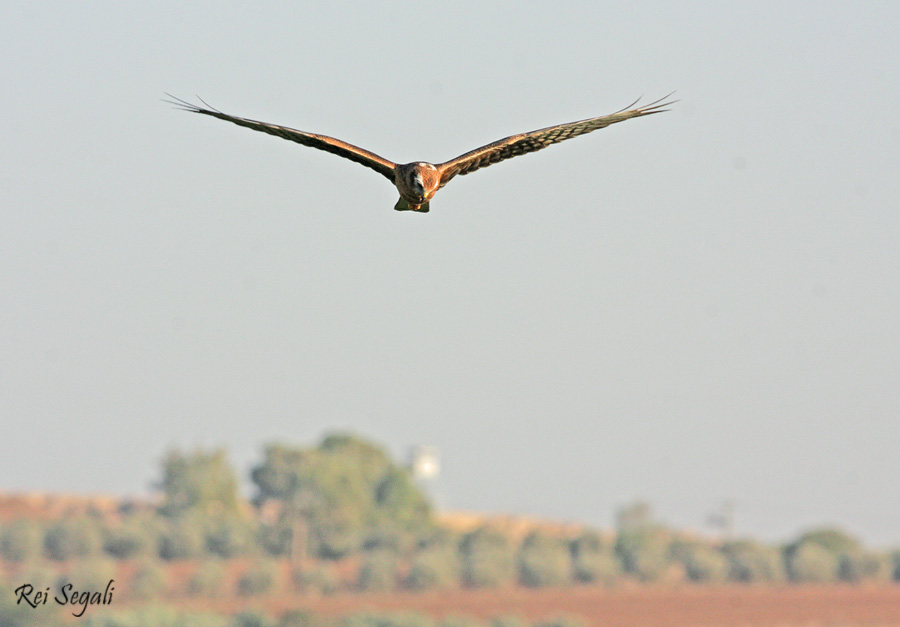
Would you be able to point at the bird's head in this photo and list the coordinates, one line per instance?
(417, 182)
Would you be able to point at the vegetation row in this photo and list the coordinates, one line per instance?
(342, 516)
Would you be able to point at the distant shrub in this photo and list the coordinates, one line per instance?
(207, 580)
(457, 620)
(437, 538)
(274, 539)
(752, 562)
(894, 565)
(148, 582)
(154, 616)
(396, 619)
(593, 560)
(40, 574)
(259, 579)
(126, 542)
(229, 537)
(590, 542)
(387, 539)
(21, 540)
(858, 566)
(544, 561)
(643, 551)
(702, 563)
(706, 566)
(320, 578)
(332, 542)
(834, 540)
(408, 619)
(601, 567)
(487, 559)
(252, 619)
(72, 539)
(360, 619)
(14, 615)
(509, 620)
(812, 563)
(181, 540)
(434, 568)
(91, 575)
(378, 573)
(562, 621)
(298, 618)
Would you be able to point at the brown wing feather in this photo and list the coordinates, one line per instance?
(322, 142)
(536, 140)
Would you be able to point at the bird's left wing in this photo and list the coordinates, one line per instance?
(536, 140)
(322, 142)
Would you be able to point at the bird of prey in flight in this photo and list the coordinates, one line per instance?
(418, 182)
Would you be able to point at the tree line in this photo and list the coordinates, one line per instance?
(342, 515)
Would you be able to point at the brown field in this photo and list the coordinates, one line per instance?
(832, 605)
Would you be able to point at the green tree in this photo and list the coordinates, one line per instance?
(816, 555)
(198, 482)
(229, 536)
(637, 515)
(336, 495)
(811, 562)
(834, 540)
(488, 559)
(857, 566)
(434, 567)
(590, 541)
(594, 559)
(544, 561)
(133, 537)
(894, 564)
(752, 562)
(642, 543)
(702, 563)
(378, 572)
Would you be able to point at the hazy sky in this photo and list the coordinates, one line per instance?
(685, 308)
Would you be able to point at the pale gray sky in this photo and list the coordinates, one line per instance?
(684, 308)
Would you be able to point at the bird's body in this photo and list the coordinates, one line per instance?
(419, 181)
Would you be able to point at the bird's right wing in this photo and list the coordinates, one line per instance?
(322, 142)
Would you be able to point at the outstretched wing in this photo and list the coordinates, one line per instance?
(536, 140)
(322, 142)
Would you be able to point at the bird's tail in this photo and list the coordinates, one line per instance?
(402, 205)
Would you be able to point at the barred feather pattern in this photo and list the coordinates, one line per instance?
(432, 177)
(524, 143)
(322, 142)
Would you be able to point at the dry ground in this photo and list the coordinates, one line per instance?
(832, 605)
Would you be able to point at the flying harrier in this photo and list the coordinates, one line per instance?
(418, 182)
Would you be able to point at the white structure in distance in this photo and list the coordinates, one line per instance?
(424, 462)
